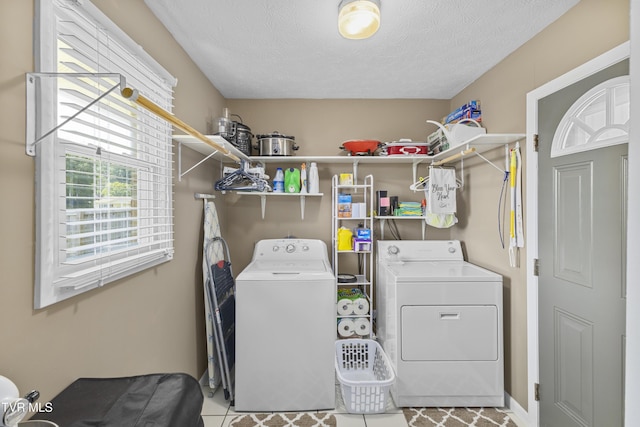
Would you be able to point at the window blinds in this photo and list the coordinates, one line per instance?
(104, 178)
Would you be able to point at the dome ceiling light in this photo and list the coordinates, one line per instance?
(358, 19)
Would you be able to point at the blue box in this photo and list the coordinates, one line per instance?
(363, 234)
(344, 205)
(463, 110)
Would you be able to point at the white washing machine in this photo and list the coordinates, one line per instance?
(439, 318)
(285, 328)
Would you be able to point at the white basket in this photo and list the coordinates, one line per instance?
(365, 375)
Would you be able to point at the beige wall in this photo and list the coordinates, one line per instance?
(152, 322)
(319, 128)
(592, 27)
(589, 29)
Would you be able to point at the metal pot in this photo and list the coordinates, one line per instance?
(276, 144)
(224, 127)
(237, 133)
(242, 138)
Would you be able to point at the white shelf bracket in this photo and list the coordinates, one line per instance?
(383, 223)
(31, 78)
(263, 199)
(263, 204)
(180, 173)
(490, 162)
(414, 170)
(355, 171)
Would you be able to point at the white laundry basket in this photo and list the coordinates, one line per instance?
(365, 375)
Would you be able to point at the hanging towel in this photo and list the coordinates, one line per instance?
(442, 191)
(441, 220)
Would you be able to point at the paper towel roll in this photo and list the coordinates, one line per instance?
(346, 327)
(345, 307)
(361, 326)
(360, 306)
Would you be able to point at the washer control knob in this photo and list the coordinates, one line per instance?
(305, 248)
(276, 248)
(452, 249)
(393, 250)
(290, 248)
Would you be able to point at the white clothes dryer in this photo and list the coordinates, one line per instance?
(285, 328)
(439, 319)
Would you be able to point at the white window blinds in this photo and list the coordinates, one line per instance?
(103, 179)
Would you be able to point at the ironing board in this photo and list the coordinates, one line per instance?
(211, 230)
(220, 295)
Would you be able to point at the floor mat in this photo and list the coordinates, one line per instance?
(297, 419)
(457, 417)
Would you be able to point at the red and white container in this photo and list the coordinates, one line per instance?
(406, 147)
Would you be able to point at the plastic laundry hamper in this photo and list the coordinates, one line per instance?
(365, 375)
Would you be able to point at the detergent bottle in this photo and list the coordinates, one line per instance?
(278, 181)
(314, 179)
(345, 239)
(292, 180)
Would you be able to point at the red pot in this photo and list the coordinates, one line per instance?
(360, 146)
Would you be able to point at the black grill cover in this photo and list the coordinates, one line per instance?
(155, 400)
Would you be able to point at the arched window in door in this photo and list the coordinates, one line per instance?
(600, 118)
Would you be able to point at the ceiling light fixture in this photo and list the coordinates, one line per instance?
(358, 19)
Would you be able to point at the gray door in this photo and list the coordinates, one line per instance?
(582, 216)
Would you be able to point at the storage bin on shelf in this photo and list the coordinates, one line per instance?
(365, 375)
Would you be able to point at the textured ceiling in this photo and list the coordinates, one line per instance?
(251, 49)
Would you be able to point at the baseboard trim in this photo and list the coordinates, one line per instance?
(515, 407)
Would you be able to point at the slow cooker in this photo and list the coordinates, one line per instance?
(276, 144)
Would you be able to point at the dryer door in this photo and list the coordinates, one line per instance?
(449, 333)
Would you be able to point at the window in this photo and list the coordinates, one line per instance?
(103, 178)
(600, 118)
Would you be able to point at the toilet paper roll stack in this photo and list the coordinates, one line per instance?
(348, 307)
(353, 302)
(350, 327)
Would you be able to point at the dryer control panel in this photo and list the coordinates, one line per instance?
(419, 250)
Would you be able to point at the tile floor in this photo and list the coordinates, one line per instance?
(217, 412)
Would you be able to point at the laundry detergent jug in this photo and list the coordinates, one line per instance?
(292, 180)
(345, 239)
